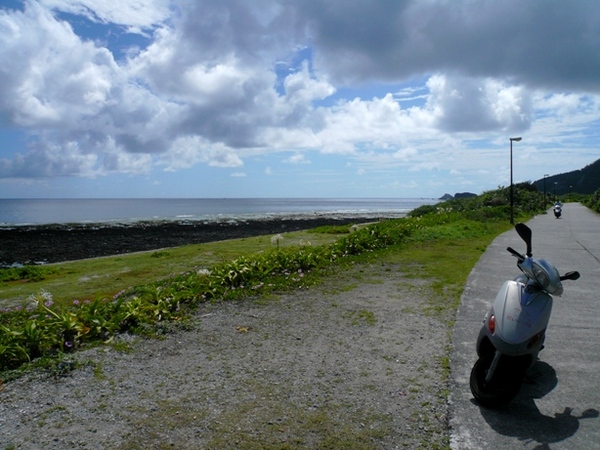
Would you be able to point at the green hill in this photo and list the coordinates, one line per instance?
(582, 181)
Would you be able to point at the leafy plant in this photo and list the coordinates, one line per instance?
(593, 201)
(335, 229)
(12, 353)
(30, 273)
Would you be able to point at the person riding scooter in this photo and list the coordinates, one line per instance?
(557, 208)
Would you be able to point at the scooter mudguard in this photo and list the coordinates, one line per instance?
(520, 315)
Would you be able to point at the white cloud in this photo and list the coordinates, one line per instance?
(223, 82)
(50, 77)
(564, 104)
(185, 152)
(50, 162)
(297, 158)
(221, 156)
(471, 104)
(301, 88)
(136, 15)
(480, 39)
(131, 163)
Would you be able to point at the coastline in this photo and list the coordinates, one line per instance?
(43, 244)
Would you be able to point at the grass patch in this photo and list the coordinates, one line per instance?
(264, 420)
(362, 316)
(106, 277)
(27, 273)
(336, 229)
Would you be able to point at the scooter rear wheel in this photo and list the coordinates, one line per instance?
(504, 386)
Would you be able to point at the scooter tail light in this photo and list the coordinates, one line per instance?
(492, 324)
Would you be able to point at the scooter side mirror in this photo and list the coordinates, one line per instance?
(570, 276)
(525, 232)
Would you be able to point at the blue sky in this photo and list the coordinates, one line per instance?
(282, 98)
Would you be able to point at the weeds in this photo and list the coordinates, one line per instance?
(362, 316)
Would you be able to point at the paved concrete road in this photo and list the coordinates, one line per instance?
(560, 409)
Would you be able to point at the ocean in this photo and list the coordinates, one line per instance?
(16, 212)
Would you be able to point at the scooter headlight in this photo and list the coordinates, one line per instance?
(547, 276)
(541, 276)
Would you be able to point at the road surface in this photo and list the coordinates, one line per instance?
(560, 409)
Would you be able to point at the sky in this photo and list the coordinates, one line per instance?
(302, 99)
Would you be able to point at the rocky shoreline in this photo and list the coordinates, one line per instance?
(37, 244)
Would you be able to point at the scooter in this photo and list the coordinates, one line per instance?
(557, 211)
(514, 329)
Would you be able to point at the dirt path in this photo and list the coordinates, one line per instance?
(353, 363)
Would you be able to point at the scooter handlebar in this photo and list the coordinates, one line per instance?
(515, 253)
(570, 276)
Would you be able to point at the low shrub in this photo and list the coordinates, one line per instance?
(593, 201)
(334, 229)
(29, 273)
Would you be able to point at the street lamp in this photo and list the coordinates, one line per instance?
(512, 202)
(544, 205)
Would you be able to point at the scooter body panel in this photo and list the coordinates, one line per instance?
(520, 317)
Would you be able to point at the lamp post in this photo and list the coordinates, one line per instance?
(544, 205)
(512, 202)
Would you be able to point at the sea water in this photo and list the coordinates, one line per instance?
(60, 211)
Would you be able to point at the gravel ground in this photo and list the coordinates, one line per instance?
(353, 363)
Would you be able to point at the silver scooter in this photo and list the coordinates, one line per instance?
(514, 329)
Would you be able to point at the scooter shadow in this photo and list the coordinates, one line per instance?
(522, 418)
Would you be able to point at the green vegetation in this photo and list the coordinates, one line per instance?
(336, 229)
(28, 273)
(593, 201)
(45, 326)
(491, 205)
(105, 277)
(584, 181)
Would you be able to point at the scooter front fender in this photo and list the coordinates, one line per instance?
(520, 315)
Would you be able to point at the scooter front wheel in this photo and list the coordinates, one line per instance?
(504, 385)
